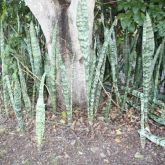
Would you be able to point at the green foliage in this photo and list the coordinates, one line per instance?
(83, 37)
(95, 91)
(106, 109)
(15, 98)
(29, 50)
(2, 53)
(50, 69)
(132, 14)
(17, 104)
(83, 30)
(26, 98)
(115, 61)
(37, 58)
(148, 48)
(40, 114)
(2, 9)
(65, 86)
(97, 79)
(155, 139)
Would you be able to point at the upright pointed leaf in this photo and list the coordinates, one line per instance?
(38, 69)
(50, 69)
(148, 48)
(26, 98)
(15, 98)
(40, 114)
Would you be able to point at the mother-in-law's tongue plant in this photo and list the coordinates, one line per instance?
(40, 114)
(148, 48)
(94, 70)
(94, 67)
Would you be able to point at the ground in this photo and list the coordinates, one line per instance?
(114, 143)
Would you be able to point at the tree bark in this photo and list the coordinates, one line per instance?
(63, 12)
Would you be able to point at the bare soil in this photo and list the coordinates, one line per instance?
(114, 143)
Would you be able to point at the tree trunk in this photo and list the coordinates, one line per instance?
(63, 12)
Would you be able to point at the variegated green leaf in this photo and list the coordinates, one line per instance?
(40, 114)
(4, 71)
(37, 58)
(113, 61)
(50, 69)
(26, 98)
(15, 98)
(148, 47)
(65, 87)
